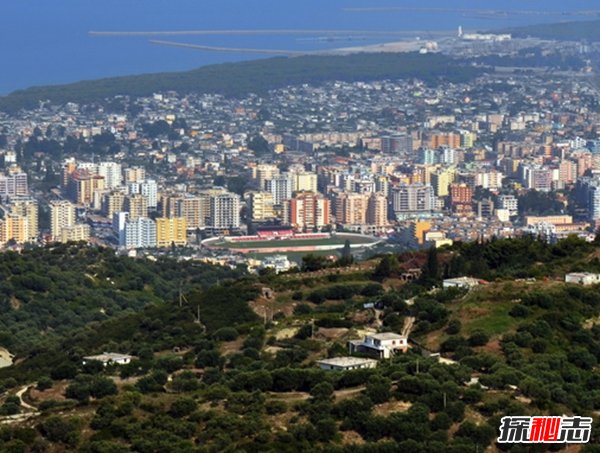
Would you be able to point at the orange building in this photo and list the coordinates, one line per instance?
(307, 210)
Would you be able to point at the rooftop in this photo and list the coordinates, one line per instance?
(108, 356)
(345, 361)
(387, 336)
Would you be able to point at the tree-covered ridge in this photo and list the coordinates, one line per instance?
(45, 293)
(524, 343)
(257, 76)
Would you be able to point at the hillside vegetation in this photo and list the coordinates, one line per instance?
(45, 293)
(257, 76)
(243, 377)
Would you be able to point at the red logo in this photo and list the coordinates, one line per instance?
(576, 430)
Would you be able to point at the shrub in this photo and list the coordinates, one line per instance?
(226, 334)
(478, 338)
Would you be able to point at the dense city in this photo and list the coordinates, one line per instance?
(402, 162)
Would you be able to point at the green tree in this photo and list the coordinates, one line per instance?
(312, 263)
(259, 145)
(346, 259)
(387, 267)
(322, 392)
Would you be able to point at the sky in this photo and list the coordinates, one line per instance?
(46, 42)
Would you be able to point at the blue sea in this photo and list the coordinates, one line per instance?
(47, 42)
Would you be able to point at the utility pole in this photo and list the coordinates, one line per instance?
(445, 400)
(417, 366)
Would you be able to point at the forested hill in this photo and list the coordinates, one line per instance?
(47, 293)
(258, 76)
(522, 342)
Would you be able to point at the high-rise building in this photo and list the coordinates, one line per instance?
(28, 208)
(537, 178)
(262, 173)
(260, 205)
(75, 233)
(307, 210)
(449, 139)
(149, 188)
(594, 202)
(413, 199)
(140, 233)
(377, 210)
(195, 209)
(510, 203)
(351, 208)
(13, 185)
(111, 171)
(113, 202)
(441, 180)
(396, 144)
(461, 194)
(281, 187)
(134, 174)
(382, 185)
(485, 209)
(304, 182)
(427, 156)
(68, 168)
(567, 172)
(62, 215)
(171, 231)
(467, 139)
(14, 228)
(224, 211)
(489, 180)
(82, 184)
(136, 205)
(119, 220)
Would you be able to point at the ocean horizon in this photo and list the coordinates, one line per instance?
(47, 43)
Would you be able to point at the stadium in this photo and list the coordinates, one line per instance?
(285, 240)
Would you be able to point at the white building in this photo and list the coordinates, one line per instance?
(413, 199)
(13, 185)
(381, 345)
(460, 282)
(140, 233)
(582, 278)
(118, 226)
(281, 188)
(148, 188)
(224, 211)
(62, 215)
(280, 263)
(109, 358)
(346, 363)
(509, 202)
(112, 174)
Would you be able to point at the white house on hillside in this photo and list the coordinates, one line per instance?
(109, 358)
(582, 278)
(380, 345)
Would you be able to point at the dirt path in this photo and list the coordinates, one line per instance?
(409, 322)
(20, 394)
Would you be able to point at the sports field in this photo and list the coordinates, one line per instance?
(286, 243)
